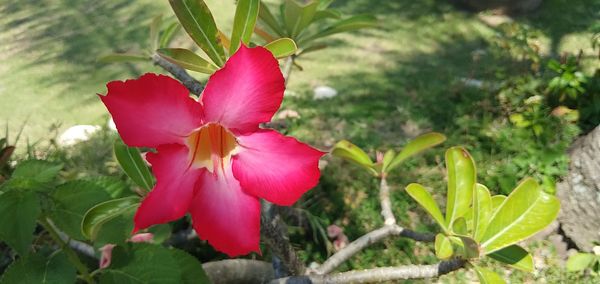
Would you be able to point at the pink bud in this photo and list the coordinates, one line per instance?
(340, 243)
(334, 231)
(142, 238)
(106, 255)
(379, 156)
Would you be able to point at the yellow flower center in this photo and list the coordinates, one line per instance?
(211, 147)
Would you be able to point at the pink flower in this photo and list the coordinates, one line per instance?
(212, 158)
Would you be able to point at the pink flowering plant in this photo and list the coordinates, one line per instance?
(213, 172)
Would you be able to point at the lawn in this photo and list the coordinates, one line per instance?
(402, 79)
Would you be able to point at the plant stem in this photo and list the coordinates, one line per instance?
(287, 68)
(386, 204)
(71, 255)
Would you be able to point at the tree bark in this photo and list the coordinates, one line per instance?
(579, 192)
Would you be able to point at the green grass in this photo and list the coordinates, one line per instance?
(394, 82)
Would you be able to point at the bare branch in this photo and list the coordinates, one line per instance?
(238, 271)
(386, 204)
(380, 274)
(275, 234)
(370, 238)
(193, 85)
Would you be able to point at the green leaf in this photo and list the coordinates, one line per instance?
(196, 19)
(422, 196)
(387, 159)
(123, 57)
(526, 211)
(115, 187)
(168, 34)
(323, 4)
(267, 17)
(353, 23)
(470, 247)
(187, 59)
(191, 269)
(327, 14)
(142, 263)
(298, 16)
(443, 247)
(580, 261)
(154, 30)
(487, 276)
(19, 210)
(100, 214)
(346, 150)
(37, 268)
(482, 210)
(459, 226)
(40, 171)
(246, 13)
(461, 182)
(282, 47)
(515, 256)
(497, 200)
(134, 166)
(417, 146)
(72, 200)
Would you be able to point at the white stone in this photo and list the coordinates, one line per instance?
(76, 134)
(324, 92)
(111, 124)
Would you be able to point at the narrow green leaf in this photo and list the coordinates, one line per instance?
(154, 30)
(443, 247)
(526, 211)
(104, 212)
(197, 20)
(580, 261)
(327, 14)
(323, 4)
(72, 200)
(346, 150)
(282, 47)
(487, 276)
(353, 23)
(387, 160)
(422, 196)
(39, 268)
(515, 256)
(123, 57)
(267, 17)
(40, 171)
(298, 16)
(246, 13)
(187, 59)
(461, 181)
(191, 269)
(19, 210)
(417, 146)
(482, 210)
(312, 48)
(134, 166)
(168, 34)
(142, 263)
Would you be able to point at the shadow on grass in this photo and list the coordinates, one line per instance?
(73, 33)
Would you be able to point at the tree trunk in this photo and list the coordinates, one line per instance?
(579, 192)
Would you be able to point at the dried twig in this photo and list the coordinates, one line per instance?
(275, 234)
(379, 274)
(386, 204)
(238, 271)
(188, 81)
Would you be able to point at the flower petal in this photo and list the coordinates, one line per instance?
(225, 216)
(152, 110)
(170, 199)
(246, 92)
(275, 167)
